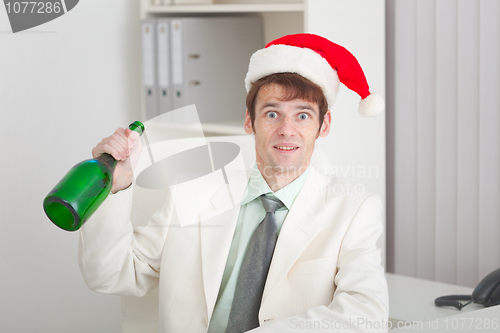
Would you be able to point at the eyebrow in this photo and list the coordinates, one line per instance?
(299, 107)
(271, 104)
(305, 107)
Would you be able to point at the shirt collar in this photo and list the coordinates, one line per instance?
(257, 186)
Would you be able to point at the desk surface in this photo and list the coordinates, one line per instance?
(412, 299)
(481, 320)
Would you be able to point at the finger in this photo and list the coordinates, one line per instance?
(120, 147)
(133, 137)
(121, 137)
(96, 151)
(102, 147)
(111, 150)
(117, 143)
(130, 140)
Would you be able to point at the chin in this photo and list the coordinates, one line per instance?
(278, 164)
(296, 168)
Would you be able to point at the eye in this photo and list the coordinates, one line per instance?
(303, 116)
(272, 114)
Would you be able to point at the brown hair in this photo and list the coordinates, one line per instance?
(295, 86)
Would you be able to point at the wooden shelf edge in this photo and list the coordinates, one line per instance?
(223, 8)
(231, 127)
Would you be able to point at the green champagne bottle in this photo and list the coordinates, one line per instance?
(82, 190)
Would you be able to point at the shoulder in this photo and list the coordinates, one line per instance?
(339, 192)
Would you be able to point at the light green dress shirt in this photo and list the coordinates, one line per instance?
(251, 214)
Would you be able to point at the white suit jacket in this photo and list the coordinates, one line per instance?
(325, 274)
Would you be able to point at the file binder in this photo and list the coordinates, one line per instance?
(161, 2)
(177, 66)
(148, 68)
(192, 2)
(209, 57)
(164, 90)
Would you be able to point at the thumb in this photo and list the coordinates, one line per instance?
(132, 136)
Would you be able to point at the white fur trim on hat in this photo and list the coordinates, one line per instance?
(291, 59)
(371, 106)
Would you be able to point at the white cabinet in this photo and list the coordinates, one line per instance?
(278, 19)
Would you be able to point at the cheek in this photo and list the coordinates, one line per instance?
(260, 143)
(264, 131)
(311, 137)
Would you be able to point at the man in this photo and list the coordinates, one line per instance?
(300, 252)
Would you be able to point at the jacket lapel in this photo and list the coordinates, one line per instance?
(299, 229)
(216, 234)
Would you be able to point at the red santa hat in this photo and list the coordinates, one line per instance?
(318, 60)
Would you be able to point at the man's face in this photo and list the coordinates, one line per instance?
(285, 131)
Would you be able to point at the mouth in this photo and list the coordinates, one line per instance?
(286, 149)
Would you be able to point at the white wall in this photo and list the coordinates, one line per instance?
(356, 145)
(63, 87)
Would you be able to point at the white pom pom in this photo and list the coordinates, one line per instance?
(371, 106)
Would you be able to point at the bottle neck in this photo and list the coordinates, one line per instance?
(137, 126)
(108, 161)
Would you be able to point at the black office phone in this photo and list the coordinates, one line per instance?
(487, 293)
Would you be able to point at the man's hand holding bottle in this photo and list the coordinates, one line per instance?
(126, 147)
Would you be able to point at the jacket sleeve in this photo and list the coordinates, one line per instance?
(360, 301)
(116, 259)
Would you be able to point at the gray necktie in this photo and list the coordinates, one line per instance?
(244, 314)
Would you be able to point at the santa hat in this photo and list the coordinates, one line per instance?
(318, 60)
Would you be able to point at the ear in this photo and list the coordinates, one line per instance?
(248, 124)
(325, 127)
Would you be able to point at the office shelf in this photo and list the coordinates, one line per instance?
(215, 128)
(224, 8)
(229, 127)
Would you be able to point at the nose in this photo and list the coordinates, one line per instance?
(287, 127)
